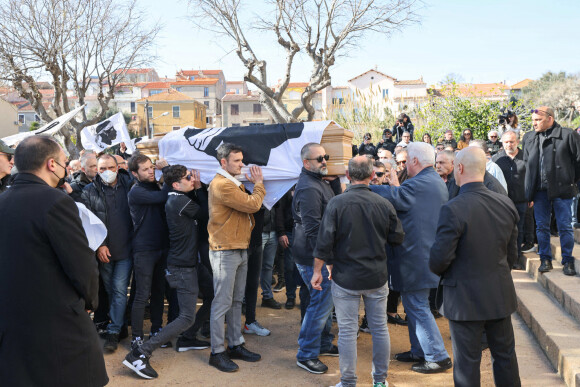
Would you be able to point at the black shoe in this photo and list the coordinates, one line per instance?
(240, 352)
(333, 351)
(408, 357)
(102, 329)
(182, 344)
(435, 314)
(364, 326)
(529, 248)
(124, 333)
(546, 266)
(569, 268)
(518, 266)
(281, 285)
(270, 303)
(205, 331)
(222, 362)
(112, 342)
(428, 367)
(139, 362)
(314, 366)
(396, 320)
(290, 303)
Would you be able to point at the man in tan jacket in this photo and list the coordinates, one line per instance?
(230, 226)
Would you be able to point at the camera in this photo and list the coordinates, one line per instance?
(503, 118)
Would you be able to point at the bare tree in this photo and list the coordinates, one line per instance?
(321, 29)
(71, 44)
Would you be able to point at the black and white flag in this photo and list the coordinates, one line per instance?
(105, 134)
(275, 148)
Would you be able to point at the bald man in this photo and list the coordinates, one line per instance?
(552, 157)
(476, 284)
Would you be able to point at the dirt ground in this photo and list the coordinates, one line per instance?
(278, 365)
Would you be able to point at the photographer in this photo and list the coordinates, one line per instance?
(403, 125)
(367, 147)
(387, 141)
(507, 121)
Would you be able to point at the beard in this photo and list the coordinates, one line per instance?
(322, 170)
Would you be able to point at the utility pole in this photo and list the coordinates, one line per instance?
(148, 131)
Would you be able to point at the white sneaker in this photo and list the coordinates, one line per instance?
(256, 329)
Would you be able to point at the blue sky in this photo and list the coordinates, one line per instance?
(483, 41)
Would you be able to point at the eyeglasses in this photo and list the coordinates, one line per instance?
(188, 177)
(320, 158)
(402, 162)
(467, 134)
(8, 155)
(380, 174)
(492, 136)
(538, 111)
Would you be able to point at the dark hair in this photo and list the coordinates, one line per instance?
(402, 117)
(136, 160)
(173, 174)
(360, 170)
(225, 149)
(428, 135)
(462, 138)
(31, 154)
(108, 156)
(305, 151)
(378, 164)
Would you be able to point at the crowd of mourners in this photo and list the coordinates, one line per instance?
(436, 224)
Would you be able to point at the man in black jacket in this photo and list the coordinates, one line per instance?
(478, 291)
(181, 274)
(552, 157)
(311, 196)
(48, 278)
(387, 141)
(106, 197)
(150, 244)
(86, 175)
(355, 229)
(511, 161)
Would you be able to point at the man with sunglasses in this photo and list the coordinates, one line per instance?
(552, 157)
(311, 196)
(6, 164)
(493, 143)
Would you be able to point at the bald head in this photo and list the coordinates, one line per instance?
(469, 165)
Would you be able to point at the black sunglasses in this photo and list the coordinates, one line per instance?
(320, 158)
(8, 155)
(538, 111)
(380, 174)
(188, 177)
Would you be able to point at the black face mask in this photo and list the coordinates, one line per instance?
(61, 180)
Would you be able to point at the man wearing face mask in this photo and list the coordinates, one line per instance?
(49, 278)
(106, 197)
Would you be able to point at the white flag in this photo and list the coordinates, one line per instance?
(105, 134)
(49, 129)
(276, 148)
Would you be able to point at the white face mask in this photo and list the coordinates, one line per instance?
(108, 176)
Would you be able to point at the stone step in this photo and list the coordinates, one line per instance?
(557, 251)
(556, 331)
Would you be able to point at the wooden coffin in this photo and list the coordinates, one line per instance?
(336, 140)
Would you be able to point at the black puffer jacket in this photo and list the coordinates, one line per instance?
(561, 150)
(78, 183)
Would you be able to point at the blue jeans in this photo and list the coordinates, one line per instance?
(574, 210)
(347, 304)
(291, 273)
(563, 213)
(116, 276)
(315, 333)
(269, 244)
(426, 340)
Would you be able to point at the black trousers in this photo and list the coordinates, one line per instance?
(253, 280)
(530, 226)
(466, 339)
(393, 301)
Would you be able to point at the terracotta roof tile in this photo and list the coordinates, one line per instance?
(521, 84)
(410, 82)
(376, 71)
(240, 97)
(134, 71)
(157, 85)
(298, 84)
(170, 95)
(197, 81)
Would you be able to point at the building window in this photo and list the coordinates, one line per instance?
(257, 109)
(175, 111)
(21, 119)
(176, 128)
(154, 91)
(132, 107)
(256, 124)
(150, 112)
(206, 91)
(192, 78)
(235, 124)
(385, 93)
(206, 103)
(36, 118)
(338, 101)
(178, 88)
(235, 110)
(208, 120)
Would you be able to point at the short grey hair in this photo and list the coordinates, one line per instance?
(360, 168)
(305, 151)
(225, 149)
(447, 153)
(511, 131)
(480, 144)
(424, 153)
(85, 159)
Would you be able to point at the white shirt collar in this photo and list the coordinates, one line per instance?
(225, 174)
